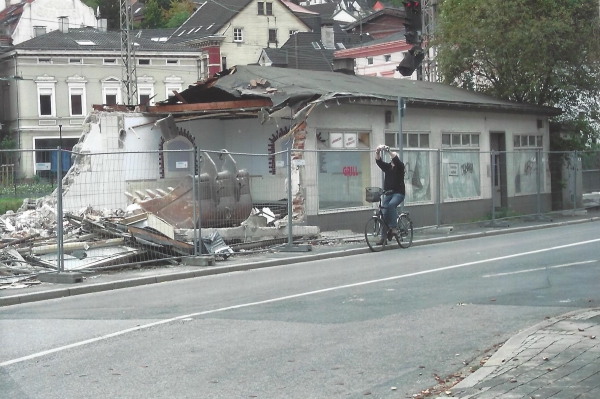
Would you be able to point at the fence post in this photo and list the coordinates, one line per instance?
(195, 201)
(574, 182)
(438, 199)
(401, 111)
(59, 212)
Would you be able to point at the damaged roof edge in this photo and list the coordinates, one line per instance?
(276, 88)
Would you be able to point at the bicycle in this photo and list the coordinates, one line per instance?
(376, 224)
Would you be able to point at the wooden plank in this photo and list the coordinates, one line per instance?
(215, 106)
(179, 97)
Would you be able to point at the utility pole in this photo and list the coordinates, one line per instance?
(429, 13)
(128, 71)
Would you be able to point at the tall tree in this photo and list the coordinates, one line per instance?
(153, 15)
(543, 52)
(178, 13)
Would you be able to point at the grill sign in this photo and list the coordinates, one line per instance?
(350, 171)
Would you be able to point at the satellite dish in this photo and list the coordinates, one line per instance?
(263, 115)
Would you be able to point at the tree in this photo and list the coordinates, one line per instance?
(543, 52)
(178, 13)
(153, 15)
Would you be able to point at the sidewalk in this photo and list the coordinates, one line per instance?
(558, 358)
(134, 277)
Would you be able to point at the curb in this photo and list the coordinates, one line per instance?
(135, 282)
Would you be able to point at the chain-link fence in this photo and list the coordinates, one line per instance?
(122, 208)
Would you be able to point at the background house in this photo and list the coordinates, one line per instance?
(24, 20)
(311, 50)
(63, 73)
(235, 34)
(379, 24)
(379, 57)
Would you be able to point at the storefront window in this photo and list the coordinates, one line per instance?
(344, 169)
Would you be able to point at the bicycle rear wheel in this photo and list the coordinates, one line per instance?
(373, 234)
(405, 231)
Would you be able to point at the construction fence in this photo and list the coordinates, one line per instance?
(92, 211)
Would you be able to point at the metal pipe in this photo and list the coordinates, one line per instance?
(290, 199)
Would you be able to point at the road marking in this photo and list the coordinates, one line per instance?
(541, 268)
(284, 298)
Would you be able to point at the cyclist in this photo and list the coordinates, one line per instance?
(393, 188)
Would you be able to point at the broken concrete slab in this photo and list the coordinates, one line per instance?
(201, 260)
(61, 278)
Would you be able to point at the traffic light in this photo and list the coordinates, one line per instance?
(413, 21)
(411, 61)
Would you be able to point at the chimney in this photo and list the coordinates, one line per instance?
(63, 24)
(102, 25)
(327, 36)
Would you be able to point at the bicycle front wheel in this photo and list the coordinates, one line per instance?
(373, 234)
(405, 231)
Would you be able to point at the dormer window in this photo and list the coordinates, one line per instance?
(265, 8)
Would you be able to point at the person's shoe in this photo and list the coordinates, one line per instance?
(393, 232)
(380, 242)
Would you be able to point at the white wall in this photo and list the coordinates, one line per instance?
(46, 13)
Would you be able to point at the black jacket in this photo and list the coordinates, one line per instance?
(393, 177)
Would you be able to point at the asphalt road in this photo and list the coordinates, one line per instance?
(350, 327)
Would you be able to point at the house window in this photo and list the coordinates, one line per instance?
(369, 60)
(77, 101)
(39, 31)
(272, 35)
(343, 172)
(265, 8)
(525, 163)
(172, 62)
(109, 61)
(238, 35)
(528, 141)
(145, 94)
(417, 171)
(75, 61)
(46, 99)
(461, 175)
(387, 57)
(223, 63)
(460, 140)
(44, 60)
(143, 61)
(111, 96)
(409, 140)
(171, 88)
(111, 91)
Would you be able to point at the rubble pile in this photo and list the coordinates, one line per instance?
(93, 239)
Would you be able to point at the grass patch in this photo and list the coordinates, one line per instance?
(10, 204)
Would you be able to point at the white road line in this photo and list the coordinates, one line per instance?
(541, 268)
(283, 298)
